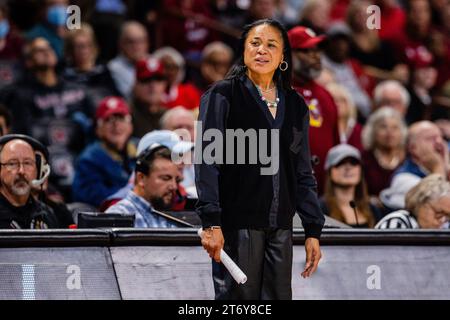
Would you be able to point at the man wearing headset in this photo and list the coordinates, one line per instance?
(21, 170)
(156, 179)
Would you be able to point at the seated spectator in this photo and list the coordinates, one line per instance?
(51, 110)
(178, 93)
(18, 173)
(392, 19)
(376, 55)
(42, 191)
(217, 58)
(427, 207)
(323, 113)
(81, 54)
(148, 96)
(178, 147)
(105, 165)
(156, 178)
(315, 14)
(393, 198)
(345, 197)
(181, 119)
(423, 79)
(384, 138)
(391, 93)
(347, 71)
(10, 49)
(5, 120)
(349, 128)
(427, 153)
(53, 28)
(133, 47)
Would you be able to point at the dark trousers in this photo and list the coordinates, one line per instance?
(265, 256)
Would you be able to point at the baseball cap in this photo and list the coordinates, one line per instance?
(303, 38)
(165, 138)
(418, 57)
(111, 105)
(339, 153)
(339, 29)
(149, 69)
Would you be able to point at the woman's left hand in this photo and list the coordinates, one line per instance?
(313, 255)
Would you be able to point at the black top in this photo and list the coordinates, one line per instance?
(33, 215)
(240, 195)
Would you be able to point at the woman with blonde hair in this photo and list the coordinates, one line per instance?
(349, 128)
(81, 53)
(383, 138)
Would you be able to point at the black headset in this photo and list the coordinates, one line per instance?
(43, 168)
(142, 161)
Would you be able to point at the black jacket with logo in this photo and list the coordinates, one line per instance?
(33, 215)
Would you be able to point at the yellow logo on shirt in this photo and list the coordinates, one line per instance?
(315, 117)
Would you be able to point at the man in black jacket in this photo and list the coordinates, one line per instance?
(18, 172)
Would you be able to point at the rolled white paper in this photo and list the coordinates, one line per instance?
(232, 267)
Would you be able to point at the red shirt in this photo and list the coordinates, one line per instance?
(185, 95)
(391, 21)
(323, 129)
(377, 178)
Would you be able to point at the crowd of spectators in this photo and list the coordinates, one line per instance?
(378, 97)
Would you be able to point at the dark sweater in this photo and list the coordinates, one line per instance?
(238, 196)
(33, 215)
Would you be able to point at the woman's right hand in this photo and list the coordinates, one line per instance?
(212, 241)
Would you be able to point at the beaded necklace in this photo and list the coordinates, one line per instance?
(270, 104)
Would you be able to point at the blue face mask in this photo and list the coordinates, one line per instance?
(4, 28)
(57, 15)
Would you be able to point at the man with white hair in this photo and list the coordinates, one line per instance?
(427, 153)
(391, 93)
(133, 46)
(182, 120)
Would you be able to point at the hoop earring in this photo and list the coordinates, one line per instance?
(286, 66)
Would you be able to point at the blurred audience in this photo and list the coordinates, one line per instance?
(147, 101)
(377, 56)
(427, 207)
(346, 197)
(315, 15)
(346, 71)
(182, 120)
(55, 112)
(81, 53)
(133, 47)
(391, 93)
(53, 25)
(11, 44)
(349, 128)
(105, 165)
(177, 93)
(217, 58)
(383, 138)
(323, 124)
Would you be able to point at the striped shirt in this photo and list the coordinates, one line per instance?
(143, 211)
(400, 219)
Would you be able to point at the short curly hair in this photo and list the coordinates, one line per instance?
(433, 186)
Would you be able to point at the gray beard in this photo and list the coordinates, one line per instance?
(304, 72)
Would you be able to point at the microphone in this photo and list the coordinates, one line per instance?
(352, 204)
(36, 183)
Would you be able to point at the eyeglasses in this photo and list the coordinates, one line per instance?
(116, 118)
(14, 165)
